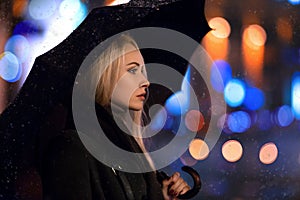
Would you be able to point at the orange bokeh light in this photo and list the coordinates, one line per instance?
(199, 149)
(232, 150)
(216, 41)
(216, 47)
(268, 153)
(255, 36)
(194, 120)
(19, 7)
(221, 27)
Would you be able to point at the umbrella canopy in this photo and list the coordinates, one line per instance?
(48, 87)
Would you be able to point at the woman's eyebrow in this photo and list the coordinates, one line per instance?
(133, 63)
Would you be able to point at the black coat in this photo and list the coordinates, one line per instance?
(69, 171)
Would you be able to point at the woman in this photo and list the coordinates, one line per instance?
(71, 172)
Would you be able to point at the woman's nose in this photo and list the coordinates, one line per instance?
(144, 80)
(145, 83)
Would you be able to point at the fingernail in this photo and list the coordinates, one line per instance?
(172, 192)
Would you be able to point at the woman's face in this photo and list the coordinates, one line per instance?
(130, 90)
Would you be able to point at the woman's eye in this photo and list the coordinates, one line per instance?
(132, 70)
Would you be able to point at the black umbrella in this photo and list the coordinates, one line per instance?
(45, 96)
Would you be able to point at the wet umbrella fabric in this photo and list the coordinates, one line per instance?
(46, 93)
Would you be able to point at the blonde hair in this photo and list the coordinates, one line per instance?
(106, 78)
(109, 74)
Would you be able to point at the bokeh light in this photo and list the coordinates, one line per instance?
(221, 27)
(10, 69)
(284, 116)
(158, 117)
(194, 120)
(234, 92)
(223, 125)
(239, 121)
(73, 12)
(268, 153)
(295, 95)
(69, 8)
(216, 41)
(254, 35)
(253, 53)
(294, 2)
(178, 103)
(232, 150)
(41, 10)
(19, 7)
(254, 98)
(19, 46)
(27, 28)
(220, 74)
(199, 149)
(60, 28)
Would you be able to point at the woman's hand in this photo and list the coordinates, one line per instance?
(174, 186)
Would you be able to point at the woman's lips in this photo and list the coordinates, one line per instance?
(142, 96)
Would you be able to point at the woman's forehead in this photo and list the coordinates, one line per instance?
(133, 54)
(130, 47)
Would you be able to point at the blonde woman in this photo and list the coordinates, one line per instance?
(71, 172)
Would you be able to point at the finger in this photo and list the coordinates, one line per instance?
(175, 176)
(177, 182)
(170, 182)
(175, 189)
(174, 179)
(167, 183)
(180, 187)
(184, 189)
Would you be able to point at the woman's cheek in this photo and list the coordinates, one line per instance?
(123, 90)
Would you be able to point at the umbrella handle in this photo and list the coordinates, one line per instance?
(196, 178)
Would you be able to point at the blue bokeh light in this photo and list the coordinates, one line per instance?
(254, 98)
(295, 95)
(69, 8)
(73, 9)
(28, 28)
(284, 116)
(234, 92)
(159, 120)
(178, 103)
(80, 15)
(294, 2)
(220, 75)
(19, 46)
(239, 121)
(41, 10)
(10, 69)
(223, 124)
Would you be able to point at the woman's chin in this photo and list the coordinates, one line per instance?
(136, 107)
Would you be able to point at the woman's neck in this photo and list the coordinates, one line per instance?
(125, 120)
